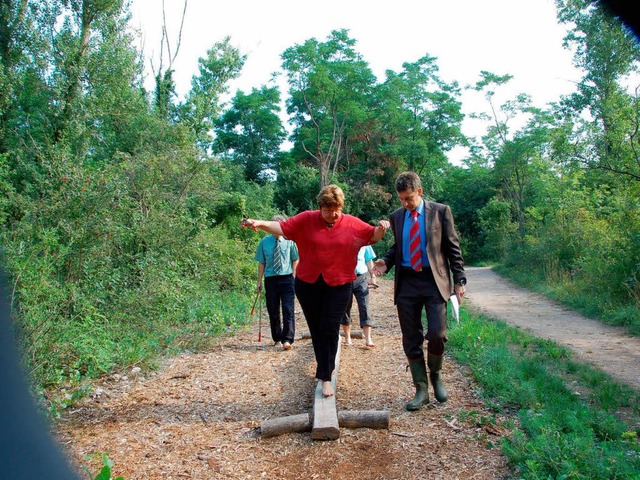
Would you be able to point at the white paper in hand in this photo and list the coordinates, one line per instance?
(455, 308)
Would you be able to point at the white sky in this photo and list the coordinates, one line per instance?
(517, 37)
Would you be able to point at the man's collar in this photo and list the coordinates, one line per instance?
(420, 208)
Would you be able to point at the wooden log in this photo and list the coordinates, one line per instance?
(364, 419)
(281, 425)
(325, 413)
(326, 420)
(377, 419)
(354, 334)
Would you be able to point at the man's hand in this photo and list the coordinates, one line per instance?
(379, 267)
(459, 290)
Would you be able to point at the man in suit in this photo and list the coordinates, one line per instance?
(426, 254)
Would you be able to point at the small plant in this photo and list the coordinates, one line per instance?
(105, 472)
(631, 437)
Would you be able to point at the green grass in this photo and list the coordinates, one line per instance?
(106, 347)
(573, 422)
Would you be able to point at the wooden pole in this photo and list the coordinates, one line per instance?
(364, 419)
(326, 421)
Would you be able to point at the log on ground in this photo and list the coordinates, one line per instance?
(291, 424)
(364, 419)
(377, 419)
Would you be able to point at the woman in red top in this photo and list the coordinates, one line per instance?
(328, 242)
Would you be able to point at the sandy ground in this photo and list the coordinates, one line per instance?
(608, 348)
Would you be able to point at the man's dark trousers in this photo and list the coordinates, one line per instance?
(418, 290)
(280, 292)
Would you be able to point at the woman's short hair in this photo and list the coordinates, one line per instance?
(408, 181)
(331, 196)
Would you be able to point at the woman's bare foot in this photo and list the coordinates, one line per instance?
(346, 329)
(347, 334)
(366, 330)
(327, 388)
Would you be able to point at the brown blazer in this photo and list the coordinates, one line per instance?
(443, 247)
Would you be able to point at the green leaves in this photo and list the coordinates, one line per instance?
(105, 472)
(250, 132)
(222, 64)
(328, 86)
(422, 118)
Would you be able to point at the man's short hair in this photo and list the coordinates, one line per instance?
(408, 181)
(278, 218)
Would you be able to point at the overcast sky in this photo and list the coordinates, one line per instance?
(518, 37)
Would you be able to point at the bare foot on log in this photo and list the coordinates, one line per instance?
(327, 388)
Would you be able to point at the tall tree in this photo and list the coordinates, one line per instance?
(74, 45)
(165, 88)
(251, 132)
(201, 108)
(421, 117)
(25, 62)
(73, 87)
(328, 85)
(15, 25)
(517, 158)
(609, 138)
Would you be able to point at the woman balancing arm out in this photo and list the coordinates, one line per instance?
(328, 243)
(275, 228)
(268, 226)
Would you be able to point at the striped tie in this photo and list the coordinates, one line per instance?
(414, 245)
(277, 258)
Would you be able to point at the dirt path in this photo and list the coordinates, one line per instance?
(198, 416)
(608, 348)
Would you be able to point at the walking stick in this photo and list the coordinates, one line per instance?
(260, 322)
(253, 311)
(253, 307)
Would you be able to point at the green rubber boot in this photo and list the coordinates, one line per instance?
(435, 365)
(419, 375)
